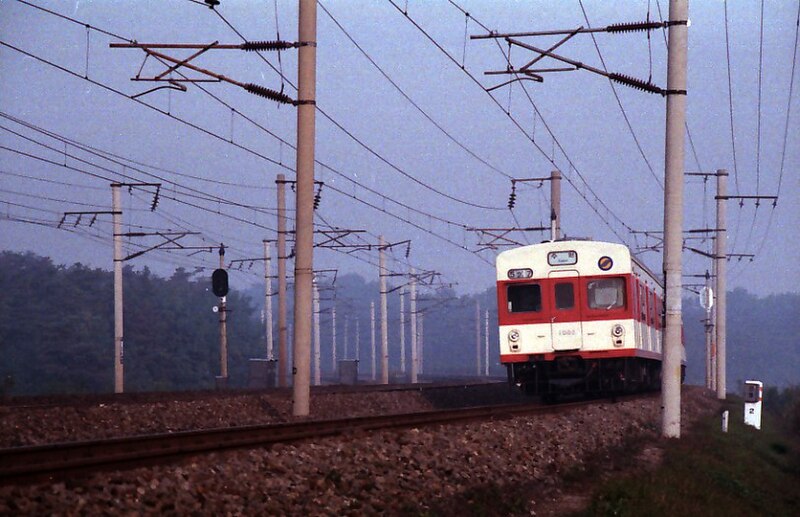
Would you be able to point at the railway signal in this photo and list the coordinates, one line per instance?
(219, 282)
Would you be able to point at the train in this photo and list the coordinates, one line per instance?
(579, 316)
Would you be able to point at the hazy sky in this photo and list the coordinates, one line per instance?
(415, 149)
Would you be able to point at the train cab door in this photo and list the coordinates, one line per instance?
(565, 310)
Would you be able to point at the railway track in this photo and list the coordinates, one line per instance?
(57, 461)
(43, 402)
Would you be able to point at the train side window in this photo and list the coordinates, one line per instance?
(652, 304)
(565, 295)
(642, 303)
(659, 312)
(606, 293)
(524, 298)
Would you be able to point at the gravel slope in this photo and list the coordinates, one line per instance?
(500, 468)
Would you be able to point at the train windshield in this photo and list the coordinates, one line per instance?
(524, 298)
(606, 293)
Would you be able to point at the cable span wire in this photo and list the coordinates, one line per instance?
(251, 151)
(760, 74)
(789, 100)
(385, 198)
(730, 98)
(619, 101)
(330, 187)
(190, 192)
(164, 194)
(408, 98)
(376, 154)
(53, 182)
(758, 130)
(519, 126)
(46, 198)
(785, 131)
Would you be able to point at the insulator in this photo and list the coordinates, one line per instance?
(408, 249)
(634, 27)
(252, 46)
(636, 83)
(316, 200)
(268, 93)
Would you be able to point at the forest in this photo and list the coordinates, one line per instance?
(56, 330)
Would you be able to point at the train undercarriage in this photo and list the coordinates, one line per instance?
(572, 374)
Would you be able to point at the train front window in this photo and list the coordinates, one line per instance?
(606, 293)
(565, 296)
(524, 298)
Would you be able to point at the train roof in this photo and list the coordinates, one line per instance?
(588, 257)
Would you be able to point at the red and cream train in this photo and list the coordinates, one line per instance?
(579, 316)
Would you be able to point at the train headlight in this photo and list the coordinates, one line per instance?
(513, 335)
(617, 330)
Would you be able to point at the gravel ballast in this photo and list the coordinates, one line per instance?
(498, 466)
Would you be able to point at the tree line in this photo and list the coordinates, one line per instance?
(57, 330)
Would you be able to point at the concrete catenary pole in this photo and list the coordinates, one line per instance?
(223, 327)
(486, 347)
(384, 312)
(673, 217)
(334, 364)
(119, 345)
(282, 330)
(477, 337)
(713, 351)
(412, 309)
(555, 205)
(317, 357)
(268, 301)
(372, 337)
(720, 257)
(346, 342)
(403, 330)
(358, 340)
(421, 343)
(709, 330)
(304, 263)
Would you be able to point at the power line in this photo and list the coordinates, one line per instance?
(204, 130)
(730, 97)
(519, 126)
(619, 101)
(376, 154)
(409, 99)
(760, 73)
(190, 192)
(371, 205)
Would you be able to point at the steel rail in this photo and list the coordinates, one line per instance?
(56, 461)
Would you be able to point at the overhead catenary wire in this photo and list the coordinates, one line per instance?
(111, 89)
(521, 129)
(730, 97)
(785, 132)
(226, 140)
(188, 191)
(362, 201)
(375, 153)
(204, 130)
(619, 101)
(408, 98)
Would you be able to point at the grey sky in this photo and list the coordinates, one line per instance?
(592, 139)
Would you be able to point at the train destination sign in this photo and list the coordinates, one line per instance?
(562, 258)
